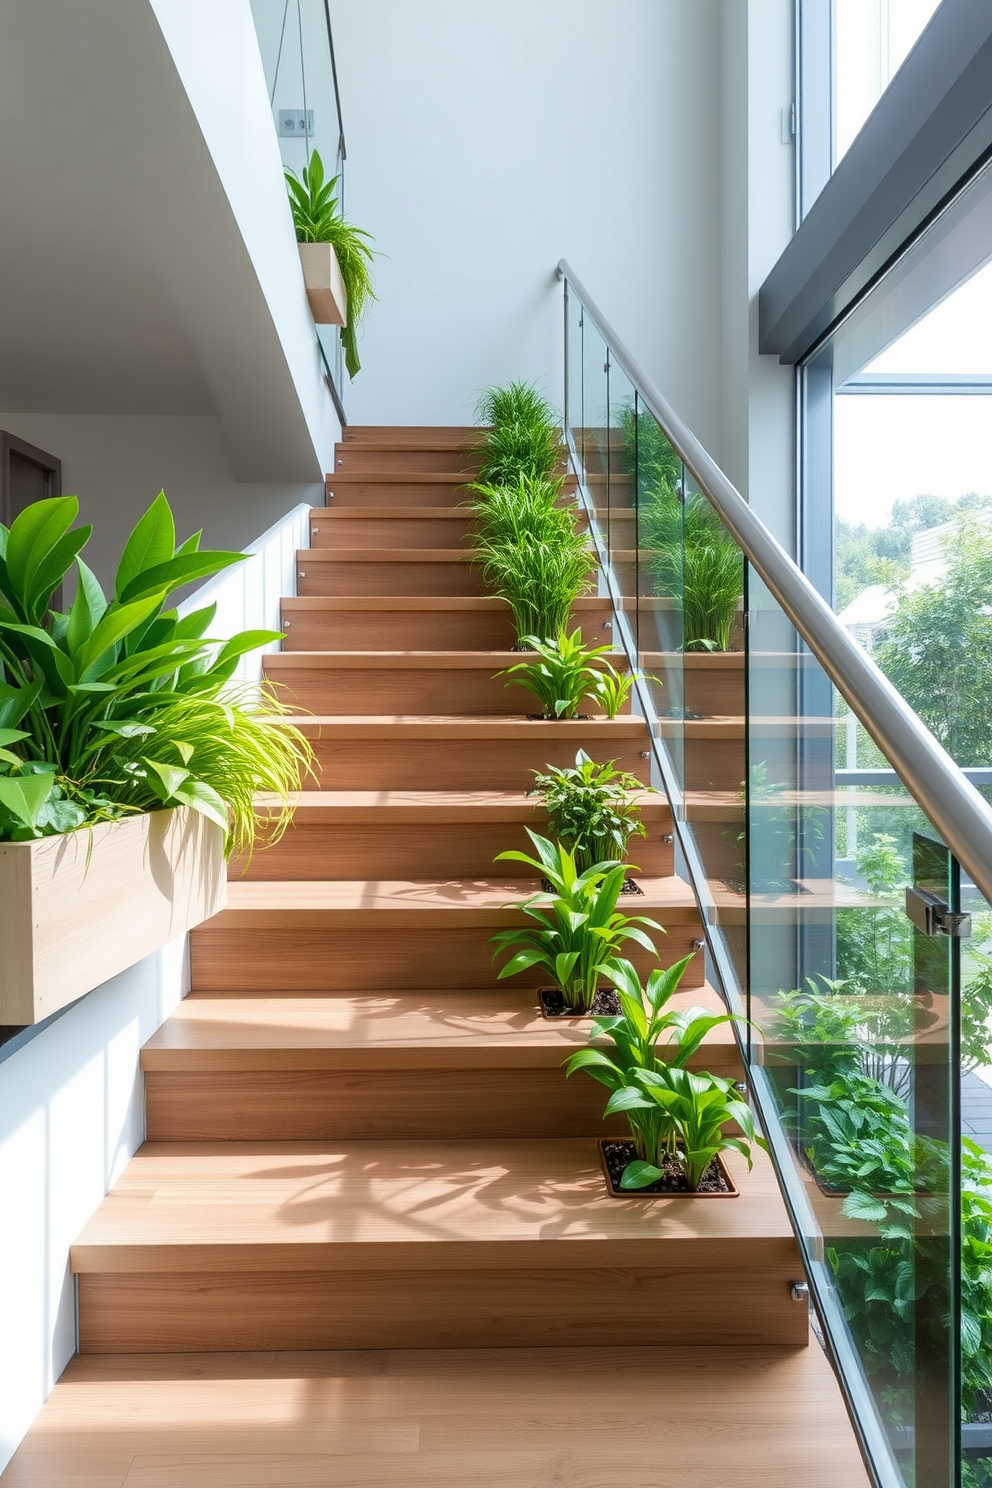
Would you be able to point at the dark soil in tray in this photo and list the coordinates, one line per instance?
(556, 718)
(618, 1153)
(630, 886)
(606, 1004)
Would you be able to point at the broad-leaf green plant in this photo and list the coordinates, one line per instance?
(589, 808)
(317, 218)
(579, 929)
(694, 1109)
(566, 673)
(85, 695)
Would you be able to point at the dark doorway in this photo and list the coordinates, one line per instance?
(27, 474)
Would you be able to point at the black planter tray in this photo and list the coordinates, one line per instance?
(607, 1005)
(608, 1145)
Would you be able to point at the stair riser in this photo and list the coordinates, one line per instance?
(718, 691)
(357, 492)
(411, 850)
(590, 1307)
(715, 764)
(352, 692)
(353, 459)
(391, 532)
(389, 1104)
(459, 764)
(430, 630)
(316, 578)
(370, 957)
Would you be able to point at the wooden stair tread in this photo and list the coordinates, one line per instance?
(386, 513)
(384, 555)
(367, 661)
(455, 899)
(298, 1420)
(459, 726)
(486, 604)
(278, 1206)
(387, 477)
(435, 806)
(413, 436)
(478, 1029)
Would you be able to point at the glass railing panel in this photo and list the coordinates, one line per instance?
(594, 433)
(621, 514)
(659, 581)
(854, 1045)
(573, 403)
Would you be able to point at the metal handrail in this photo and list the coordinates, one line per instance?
(953, 805)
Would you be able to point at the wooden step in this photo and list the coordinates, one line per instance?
(422, 622)
(384, 487)
(398, 571)
(414, 436)
(422, 682)
(352, 458)
(301, 1068)
(450, 1244)
(389, 935)
(716, 750)
(455, 753)
(442, 834)
(395, 526)
(390, 527)
(452, 1418)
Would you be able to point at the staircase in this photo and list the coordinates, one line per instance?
(357, 1140)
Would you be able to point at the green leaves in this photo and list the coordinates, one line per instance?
(579, 929)
(589, 808)
(38, 549)
(695, 1109)
(563, 674)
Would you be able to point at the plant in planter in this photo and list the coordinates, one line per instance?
(589, 810)
(524, 438)
(692, 1110)
(319, 221)
(563, 676)
(693, 559)
(119, 706)
(529, 510)
(580, 930)
(540, 581)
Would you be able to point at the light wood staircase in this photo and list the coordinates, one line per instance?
(358, 1140)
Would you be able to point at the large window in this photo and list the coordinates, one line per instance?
(872, 39)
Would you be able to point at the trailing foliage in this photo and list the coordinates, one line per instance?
(580, 929)
(317, 218)
(120, 705)
(564, 675)
(589, 810)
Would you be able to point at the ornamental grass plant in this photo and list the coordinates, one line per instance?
(524, 437)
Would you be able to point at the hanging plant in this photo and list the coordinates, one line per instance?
(317, 218)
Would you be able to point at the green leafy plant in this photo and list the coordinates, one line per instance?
(645, 1035)
(692, 1111)
(317, 218)
(589, 809)
(524, 438)
(119, 705)
(564, 675)
(530, 510)
(579, 927)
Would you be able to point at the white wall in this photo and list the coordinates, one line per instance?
(117, 464)
(71, 1114)
(486, 141)
(71, 1093)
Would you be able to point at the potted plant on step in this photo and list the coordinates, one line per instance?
(580, 929)
(564, 676)
(335, 255)
(590, 810)
(128, 762)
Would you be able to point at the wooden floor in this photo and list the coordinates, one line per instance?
(361, 1145)
(478, 1418)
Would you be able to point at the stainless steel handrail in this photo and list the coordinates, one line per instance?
(943, 793)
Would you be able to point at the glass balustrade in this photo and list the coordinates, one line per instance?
(837, 921)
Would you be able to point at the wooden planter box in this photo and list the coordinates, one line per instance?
(78, 909)
(325, 287)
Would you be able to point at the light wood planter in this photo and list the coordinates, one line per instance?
(78, 908)
(325, 286)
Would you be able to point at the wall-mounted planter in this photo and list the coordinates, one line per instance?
(325, 286)
(78, 909)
